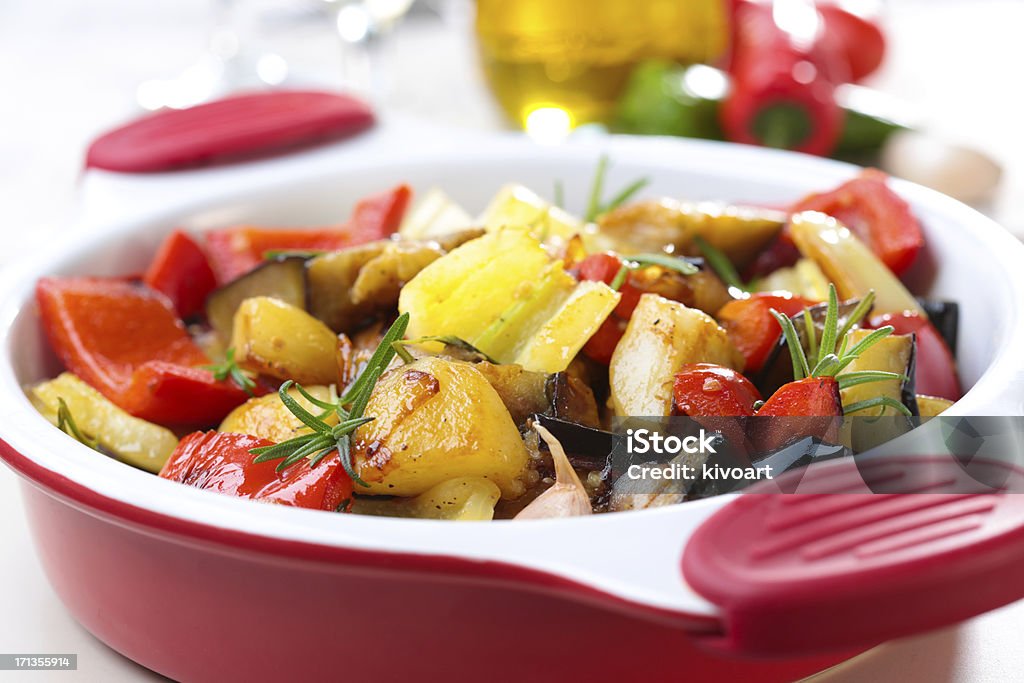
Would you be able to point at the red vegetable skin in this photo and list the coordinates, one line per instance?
(379, 216)
(237, 250)
(222, 462)
(935, 368)
(706, 389)
(125, 340)
(783, 92)
(751, 327)
(876, 214)
(181, 272)
(810, 407)
(859, 40)
(604, 268)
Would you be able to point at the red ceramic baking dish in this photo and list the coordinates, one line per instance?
(202, 587)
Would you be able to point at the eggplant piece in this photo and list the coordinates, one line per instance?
(945, 317)
(330, 278)
(778, 367)
(586, 447)
(283, 279)
(526, 393)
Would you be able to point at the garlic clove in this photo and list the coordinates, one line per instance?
(567, 497)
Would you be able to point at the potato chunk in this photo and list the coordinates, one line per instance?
(662, 335)
(436, 420)
(268, 418)
(277, 339)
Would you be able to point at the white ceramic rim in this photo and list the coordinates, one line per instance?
(605, 552)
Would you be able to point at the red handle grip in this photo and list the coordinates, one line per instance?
(798, 574)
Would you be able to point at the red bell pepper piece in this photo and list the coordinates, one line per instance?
(809, 407)
(707, 389)
(378, 216)
(935, 368)
(237, 250)
(124, 339)
(222, 462)
(876, 214)
(751, 327)
(181, 272)
(604, 268)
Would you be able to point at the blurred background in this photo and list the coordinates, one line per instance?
(831, 82)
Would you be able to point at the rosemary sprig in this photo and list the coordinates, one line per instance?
(229, 370)
(448, 339)
(637, 261)
(721, 264)
(595, 206)
(826, 360)
(66, 423)
(885, 401)
(324, 439)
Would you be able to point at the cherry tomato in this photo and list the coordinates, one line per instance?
(806, 407)
(708, 389)
(604, 268)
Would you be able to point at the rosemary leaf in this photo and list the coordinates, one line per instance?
(721, 264)
(886, 401)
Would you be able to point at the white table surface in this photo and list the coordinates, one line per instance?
(68, 69)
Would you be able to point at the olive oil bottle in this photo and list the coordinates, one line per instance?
(574, 56)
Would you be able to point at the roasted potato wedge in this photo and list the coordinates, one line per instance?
(268, 418)
(422, 434)
(279, 340)
(464, 499)
(663, 335)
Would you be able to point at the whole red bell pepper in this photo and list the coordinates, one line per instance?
(935, 368)
(236, 250)
(751, 327)
(783, 79)
(124, 339)
(181, 272)
(221, 462)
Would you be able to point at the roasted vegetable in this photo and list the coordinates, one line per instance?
(930, 406)
(181, 272)
(423, 435)
(277, 339)
(268, 418)
(129, 439)
(519, 207)
(893, 354)
(503, 294)
(849, 264)
(750, 325)
(936, 373)
(661, 337)
(804, 279)
(222, 462)
(434, 215)
(463, 499)
(526, 393)
(703, 389)
(667, 224)
(126, 341)
(566, 497)
(283, 279)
